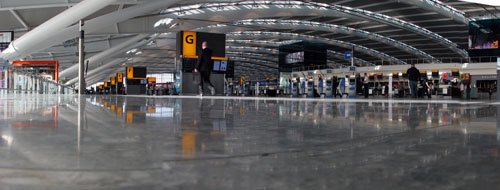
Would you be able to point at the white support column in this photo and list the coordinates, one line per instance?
(81, 64)
(42, 33)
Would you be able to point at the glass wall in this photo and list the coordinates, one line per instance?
(26, 83)
(163, 77)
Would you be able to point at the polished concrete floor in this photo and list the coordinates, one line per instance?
(118, 142)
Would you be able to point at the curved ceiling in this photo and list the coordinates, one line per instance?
(382, 31)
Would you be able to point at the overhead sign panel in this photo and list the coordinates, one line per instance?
(189, 44)
(130, 72)
(119, 77)
(348, 55)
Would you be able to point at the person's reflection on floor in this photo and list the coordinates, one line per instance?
(413, 116)
(212, 127)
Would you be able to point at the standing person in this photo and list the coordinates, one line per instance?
(342, 87)
(365, 85)
(413, 77)
(204, 66)
(431, 88)
(425, 89)
(462, 88)
(320, 85)
(490, 90)
(334, 86)
(386, 91)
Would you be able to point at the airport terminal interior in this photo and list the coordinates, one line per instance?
(249, 94)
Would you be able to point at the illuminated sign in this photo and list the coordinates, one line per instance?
(113, 81)
(189, 44)
(119, 76)
(130, 72)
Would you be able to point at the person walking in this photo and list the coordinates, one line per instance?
(413, 77)
(204, 66)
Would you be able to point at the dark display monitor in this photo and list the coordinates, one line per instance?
(188, 64)
(140, 72)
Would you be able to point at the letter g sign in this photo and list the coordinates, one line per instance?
(189, 39)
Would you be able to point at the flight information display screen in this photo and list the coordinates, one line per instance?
(223, 66)
(297, 57)
(216, 65)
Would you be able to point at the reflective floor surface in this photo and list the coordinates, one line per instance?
(118, 142)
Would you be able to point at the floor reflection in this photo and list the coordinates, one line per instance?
(248, 144)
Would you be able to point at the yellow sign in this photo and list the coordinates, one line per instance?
(189, 44)
(120, 77)
(152, 79)
(106, 84)
(113, 81)
(130, 72)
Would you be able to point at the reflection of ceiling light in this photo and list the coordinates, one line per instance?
(475, 24)
(485, 31)
(465, 65)
(484, 2)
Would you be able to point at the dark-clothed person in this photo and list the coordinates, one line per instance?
(334, 86)
(365, 86)
(413, 77)
(204, 66)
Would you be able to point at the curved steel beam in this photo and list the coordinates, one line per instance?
(258, 62)
(317, 26)
(251, 49)
(92, 25)
(268, 51)
(288, 36)
(197, 15)
(356, 60)
(257, 56)
(439, 7)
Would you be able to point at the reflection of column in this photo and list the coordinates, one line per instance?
(390, 111)
(81, 120)
(498, 78)
(498, 125)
